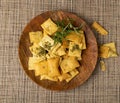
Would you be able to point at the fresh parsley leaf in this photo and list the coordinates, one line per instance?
(65, 29)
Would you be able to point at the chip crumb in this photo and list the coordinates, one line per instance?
(102, 65)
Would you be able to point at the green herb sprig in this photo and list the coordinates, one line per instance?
(65, 27)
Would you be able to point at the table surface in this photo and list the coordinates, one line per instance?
(16, 87)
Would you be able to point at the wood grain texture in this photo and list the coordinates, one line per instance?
(89, 56)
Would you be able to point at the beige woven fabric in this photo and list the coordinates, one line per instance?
(16, 87)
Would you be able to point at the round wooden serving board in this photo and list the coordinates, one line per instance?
(89, 56)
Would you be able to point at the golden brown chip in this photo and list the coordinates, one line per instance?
(60, 51)
(74, 37)
(64, 77)
(68, 64)
(49, 26)
(78, 38)
(55, 48)
(75, 50)
(35, 37)
(103, 51)
(32, 61)
(99, 28)
(102, 65)
(73, 73)
(53, 64)
(38, 51)
(46, 42)
(43, 77)
(41, 68)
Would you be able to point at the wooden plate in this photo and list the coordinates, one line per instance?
(89, 56)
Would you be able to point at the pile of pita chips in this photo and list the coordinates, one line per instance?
(55, 61)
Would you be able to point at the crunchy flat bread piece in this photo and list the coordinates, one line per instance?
(74, 37)
(53, 64)
(112, 49)
(103, 51)
(55, 48)
(32, 61)
(64, 77)
(44, 77)
(78, 38)
(60, 51)
(99, 28)
(38, 51)
(46, 42)
(68, 64)
(35, 37)
(49, 26)
(41, 68)
(53, 52)
(34, 49)
(102, 65)
(75, 49)
(73, 73)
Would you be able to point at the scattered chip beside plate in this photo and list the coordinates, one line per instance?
(112, 51)
(99, 28)
(103, 51)
(107, 50)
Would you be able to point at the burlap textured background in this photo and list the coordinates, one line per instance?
(16, 87)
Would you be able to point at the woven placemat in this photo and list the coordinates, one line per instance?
(16, 87)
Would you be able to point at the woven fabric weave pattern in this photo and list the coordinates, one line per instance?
(16, 87)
